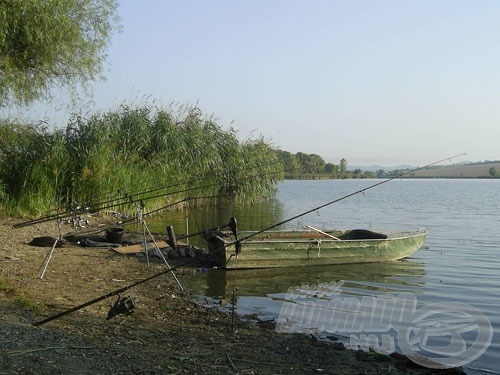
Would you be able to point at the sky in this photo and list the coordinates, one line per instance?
(385, 82)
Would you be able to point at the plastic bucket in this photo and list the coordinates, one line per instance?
(114, 235)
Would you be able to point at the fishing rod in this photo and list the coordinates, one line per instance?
(126, 199)
(341, 199)
(192, 188)
(134, 220)
(163, 195)
(129, 199)
(130, 196)
(68, 214)
(103, 297)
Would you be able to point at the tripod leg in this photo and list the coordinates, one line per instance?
(161, 255)
(47, 260)
(145, 242)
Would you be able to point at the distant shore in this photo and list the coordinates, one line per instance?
(486, 170)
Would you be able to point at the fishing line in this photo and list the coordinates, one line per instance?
(128, 200)
(147, 214)
(130, 197)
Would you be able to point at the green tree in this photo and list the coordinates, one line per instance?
(290, 162)
(311, 163)
(357, 173)
(332, 169)
(493, 172)
(368, 174)
(46, 44)
(343, 168)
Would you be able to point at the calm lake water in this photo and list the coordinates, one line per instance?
(459, 262)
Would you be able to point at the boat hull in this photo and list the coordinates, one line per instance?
(295, 249)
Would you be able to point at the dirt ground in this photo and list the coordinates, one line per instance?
(170, 332)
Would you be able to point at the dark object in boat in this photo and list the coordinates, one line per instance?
(362, 234)
(46, 241)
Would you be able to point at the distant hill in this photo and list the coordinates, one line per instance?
(472, 170)
(375, 168)
(460, 170)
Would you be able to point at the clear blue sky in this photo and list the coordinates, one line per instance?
(375, 82)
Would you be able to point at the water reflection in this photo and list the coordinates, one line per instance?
(192, 220)
(392, 277)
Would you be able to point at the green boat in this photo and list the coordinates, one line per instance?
(272, 249)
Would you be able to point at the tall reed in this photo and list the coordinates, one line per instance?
(112, 157)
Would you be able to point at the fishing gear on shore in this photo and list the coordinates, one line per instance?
(70, 214)
(123, 305)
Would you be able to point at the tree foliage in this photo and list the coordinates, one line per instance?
(332, 169)
(311, 163)
(343, 168)
(303, 165)
(52, 43)
(290, 163)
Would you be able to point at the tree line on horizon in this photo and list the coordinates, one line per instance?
(312, 166)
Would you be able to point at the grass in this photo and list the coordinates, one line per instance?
(5, 287)
(21, 301)
(29, 305)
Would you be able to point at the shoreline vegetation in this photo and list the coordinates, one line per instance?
(169, 154)
(137, 154)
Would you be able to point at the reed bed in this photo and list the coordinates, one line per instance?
(114, 160)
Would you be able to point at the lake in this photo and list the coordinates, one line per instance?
(457, 266)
